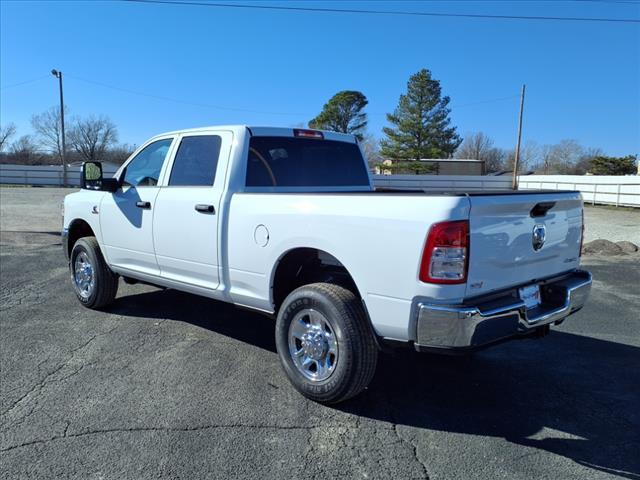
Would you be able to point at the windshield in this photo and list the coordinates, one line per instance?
(304, 162)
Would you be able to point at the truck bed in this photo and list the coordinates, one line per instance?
(421, 192)
(471, 193)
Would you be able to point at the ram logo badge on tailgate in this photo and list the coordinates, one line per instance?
(539, 236)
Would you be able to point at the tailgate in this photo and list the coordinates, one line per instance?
(517, 238)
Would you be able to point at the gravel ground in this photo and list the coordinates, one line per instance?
(169, 385)
(610, 223)
(31, 209)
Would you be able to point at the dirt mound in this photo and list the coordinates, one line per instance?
(627, 247)
(607, 247)
(602, 247)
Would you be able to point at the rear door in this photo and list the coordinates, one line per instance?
(518, 238)
(186, 219)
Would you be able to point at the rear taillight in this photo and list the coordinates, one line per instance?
(298, 132)
(446, 253)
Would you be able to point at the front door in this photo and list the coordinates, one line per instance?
(186, 219)
(126, 216)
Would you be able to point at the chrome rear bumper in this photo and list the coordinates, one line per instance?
(487, 320)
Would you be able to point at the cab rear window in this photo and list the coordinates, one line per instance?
(303, 162)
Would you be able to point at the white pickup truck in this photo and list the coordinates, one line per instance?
(286, 222)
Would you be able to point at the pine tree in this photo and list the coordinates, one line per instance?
(343, 113)
(421, 122)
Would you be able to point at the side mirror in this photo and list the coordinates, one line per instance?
(92, 179)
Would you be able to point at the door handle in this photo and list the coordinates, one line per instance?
(202, 208)
(145, 205)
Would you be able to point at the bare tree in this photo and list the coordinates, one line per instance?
(24, 151)
(561, 158)
(24, 144)
(371, 149)
(474, 146)
(6, 133)
(478, 146)
(585, 160)
(92, 137)
(118, 154)
(495, 160)
(48, 129)
(530, 154)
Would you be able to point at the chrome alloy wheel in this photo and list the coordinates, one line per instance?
(313, 345)
(83, 276)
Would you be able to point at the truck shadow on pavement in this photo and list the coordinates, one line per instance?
(219, 317)
(567, 394)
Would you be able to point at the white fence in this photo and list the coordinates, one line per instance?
(612, 190)
(52, 176)
(449, 183)
(43, 175)
(609, 190)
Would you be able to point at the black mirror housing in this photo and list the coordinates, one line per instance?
(110, 184)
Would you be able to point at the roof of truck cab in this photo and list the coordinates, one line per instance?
(263, 131)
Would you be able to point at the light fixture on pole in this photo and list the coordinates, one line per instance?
(58, 75)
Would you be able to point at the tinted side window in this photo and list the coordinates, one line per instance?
(196, 161)
(303, 162)
(144, 169)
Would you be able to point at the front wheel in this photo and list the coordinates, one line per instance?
(93, 281)
(324, 342)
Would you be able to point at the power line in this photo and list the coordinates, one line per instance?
(626, 2)
(460, 105)
(185, 102)
(383, 12)
(262, 112)
(622, 2)
(25, 82)
(492, 100)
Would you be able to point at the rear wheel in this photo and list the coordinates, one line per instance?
(324, 342)
(93, 281)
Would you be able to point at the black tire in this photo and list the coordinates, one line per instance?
(106, 282)
(358, 352)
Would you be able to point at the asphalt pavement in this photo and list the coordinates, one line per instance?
(168, 385)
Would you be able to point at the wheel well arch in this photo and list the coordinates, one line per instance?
(303, 265)
(78, 228)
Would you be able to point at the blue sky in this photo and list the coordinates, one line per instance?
(278, 68)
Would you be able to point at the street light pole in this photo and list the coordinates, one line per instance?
(58, 75)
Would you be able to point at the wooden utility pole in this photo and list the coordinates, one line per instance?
(58, 75)
(514, 183)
